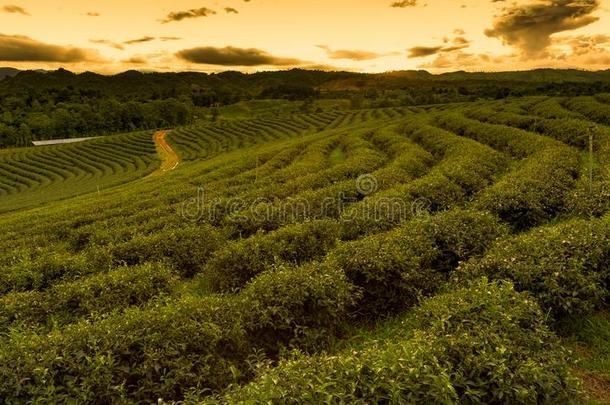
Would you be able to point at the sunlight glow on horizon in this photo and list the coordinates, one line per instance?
(473, 35)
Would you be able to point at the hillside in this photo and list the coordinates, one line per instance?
(443, 253)
(37, 105)
(8, 72)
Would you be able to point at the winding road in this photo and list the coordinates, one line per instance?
(169, 158)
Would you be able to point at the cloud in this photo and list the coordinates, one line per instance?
(107, 42)
(132, 41)
(231, 56)
(192, 13)
(404, 3)
(92, 14)
(564, 52)
(139, 40)
(529, 27)
(17, 48)
(231, 10)
(458, 43)
(455, 61)
(135, 60)
(421, 51)
(355, 55)
(14, 10)
(583, 44)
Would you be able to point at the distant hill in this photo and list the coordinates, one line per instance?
(138, 82)
(538, 75)
(8, 72)
(62, 104)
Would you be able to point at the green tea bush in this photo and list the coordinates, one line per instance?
(564, 266)
(388, 209)
(361, 158)
(187, 248)
(466, 167)
(589, 200)
(470, 164)
(324, 203)
(552, 108)
(50, 266)
(590, 108)
(302, 307)
(94, 295)
(489, 115)
(167, 349)
(536, 192)
(403, 372)
(567, 130)
(235, 263)
(394, 269)
(482, 344)
(516, 142)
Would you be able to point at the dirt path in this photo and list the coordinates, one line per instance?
(169, 158)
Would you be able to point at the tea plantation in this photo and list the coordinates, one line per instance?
(455, 253)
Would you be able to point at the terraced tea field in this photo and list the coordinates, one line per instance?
(448, 253)
(32, 176)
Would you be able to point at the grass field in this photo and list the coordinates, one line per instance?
(446, 253)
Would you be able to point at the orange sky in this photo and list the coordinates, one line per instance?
(362, 35)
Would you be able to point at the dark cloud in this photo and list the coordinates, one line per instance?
(132, 41)
(14, 10)
(457, 44)
(192, 13)
(139, 40)
(460, 41)
(529, 27)
(16, 48)
(420, 51)
(356, 55)
(231, 10)
(135, 60)
(107, 42)
(405, 3)
(231, 56)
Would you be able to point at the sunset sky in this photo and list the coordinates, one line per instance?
(364, 35)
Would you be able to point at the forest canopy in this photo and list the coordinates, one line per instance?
(38, 105)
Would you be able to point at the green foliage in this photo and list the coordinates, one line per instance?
(590, 108)
(565, 266)
(237, 262)
(535, 192)
(187, 248)
(482, 344)
(32, 176)
(47, 267)
(88, 297)
(165, 349)
(303, 307)
(395, 269)
(465, 168)
(98, 304)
